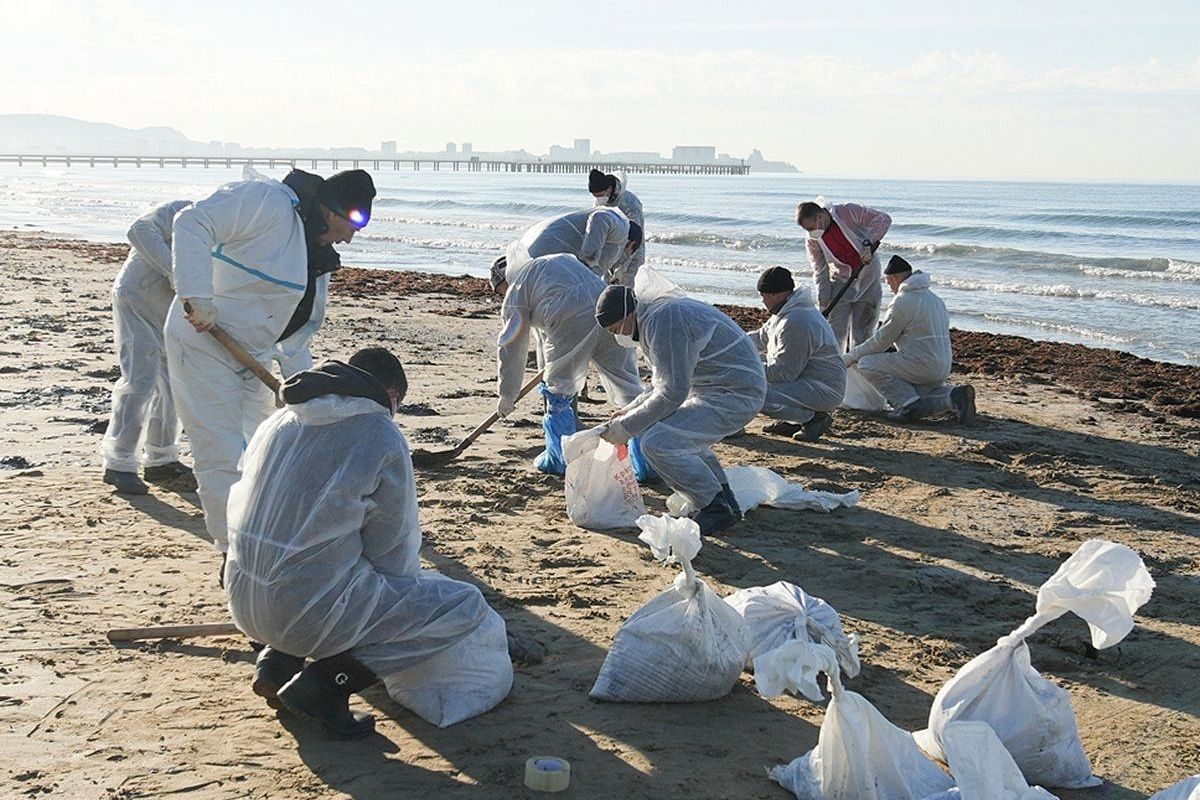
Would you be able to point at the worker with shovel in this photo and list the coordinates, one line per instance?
(805, 374)
(324, 562)
(249, 259)
(603, 238)
(556, 297)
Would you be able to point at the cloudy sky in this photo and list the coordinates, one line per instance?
(1040, 90)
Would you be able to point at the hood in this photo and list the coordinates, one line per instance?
(336, 378)
(800, 296)
(915, 282)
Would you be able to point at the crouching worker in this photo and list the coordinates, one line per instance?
(707, 382)
(913, 378)
(323, 562)
(556, 297)
(805, 374)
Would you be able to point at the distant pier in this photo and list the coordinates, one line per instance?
(436, 164)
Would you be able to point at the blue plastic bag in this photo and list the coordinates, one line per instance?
(641, 467)
(559, 421)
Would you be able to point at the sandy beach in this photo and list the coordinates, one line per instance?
(957, 527)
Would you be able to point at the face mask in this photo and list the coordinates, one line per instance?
(625, 340)
(603, 199)
(816, 233)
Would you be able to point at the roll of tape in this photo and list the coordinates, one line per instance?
(547, 774)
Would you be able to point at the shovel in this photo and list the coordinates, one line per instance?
(245, 359)
(437, 458)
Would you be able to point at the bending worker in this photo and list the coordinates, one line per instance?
(913, 378)
(842, 240)
(245, 259)
(707, 383)
(324, 556)
(556, 296)
(806, 378)
(602, 238)
(610, 190)
(142, 408)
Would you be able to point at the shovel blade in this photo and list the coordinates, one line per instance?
(434, 458)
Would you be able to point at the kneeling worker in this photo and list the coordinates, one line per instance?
(805, 374)
(324, 553)
(913, 379)
(556, 297)
(707, 383)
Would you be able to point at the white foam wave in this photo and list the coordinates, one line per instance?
(1064, 290)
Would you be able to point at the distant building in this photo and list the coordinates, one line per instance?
(694, 155)
(451, 148)
(467, 148)
(388, 148)
(583, 147)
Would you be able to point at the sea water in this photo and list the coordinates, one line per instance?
(1109, 265)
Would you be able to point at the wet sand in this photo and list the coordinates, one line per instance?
(957, 527)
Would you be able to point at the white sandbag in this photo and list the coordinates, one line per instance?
(778, 613)
(602, 491)
(1103, 582)
(860, 394)
(791, 667)
(460, 682)
(759, 486)
(982, 768)
(1186, 789)
(859, 754)
(685, 645)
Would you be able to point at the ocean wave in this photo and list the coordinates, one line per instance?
(432, 243)
(509, 208)
(1066, 291)
(475, 225)
(1050, 326)
(754, 241)
(1153, 220)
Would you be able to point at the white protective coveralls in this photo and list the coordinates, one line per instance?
(556, 296)
(294, 354)
(858, 310)
(325, 540)
(803, 362)
(629, 205)
(596, 237)
(142, 407)
(918, 325)
(707, 383)
(243, 247)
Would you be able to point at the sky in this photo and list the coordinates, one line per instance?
(987, 90)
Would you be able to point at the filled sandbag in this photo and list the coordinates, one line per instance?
(602, 490)
(460, 682)
(859, 754)
(685, 645)
(781, 612)
(982, 768)
(860, 394)
(1103, 582)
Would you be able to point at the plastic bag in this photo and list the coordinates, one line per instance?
(558, 422)
(755, 486)
(1104, 583)
(781, 612)
(602, 491)
(685, 645)
(860, 394)
(1186, 789)
(859, 754)
(982, 768)
(460, 682)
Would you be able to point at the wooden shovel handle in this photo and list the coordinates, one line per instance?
(173, 632)
(245, 359)
(490, 421)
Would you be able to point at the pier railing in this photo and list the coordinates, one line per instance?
(436, 164)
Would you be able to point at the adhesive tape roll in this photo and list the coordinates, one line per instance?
(547, 774)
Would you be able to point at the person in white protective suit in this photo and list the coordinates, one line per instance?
(913, 378)
(707, 383)
(251, 258)
(324, 560)
(602, 238)
(556, 296)
(842, 240)
(806, 378)
(611, 190)
(143, 412)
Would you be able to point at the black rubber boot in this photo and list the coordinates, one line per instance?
(273, 669)
(782, 428)
(716, 517)
(963, 399)
(731, 501)
(814, 428)
(321, 694)
(176, 474)
(125, 482)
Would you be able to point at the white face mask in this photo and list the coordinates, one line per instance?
(816, 233)
(625, 340)
(603, 199)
